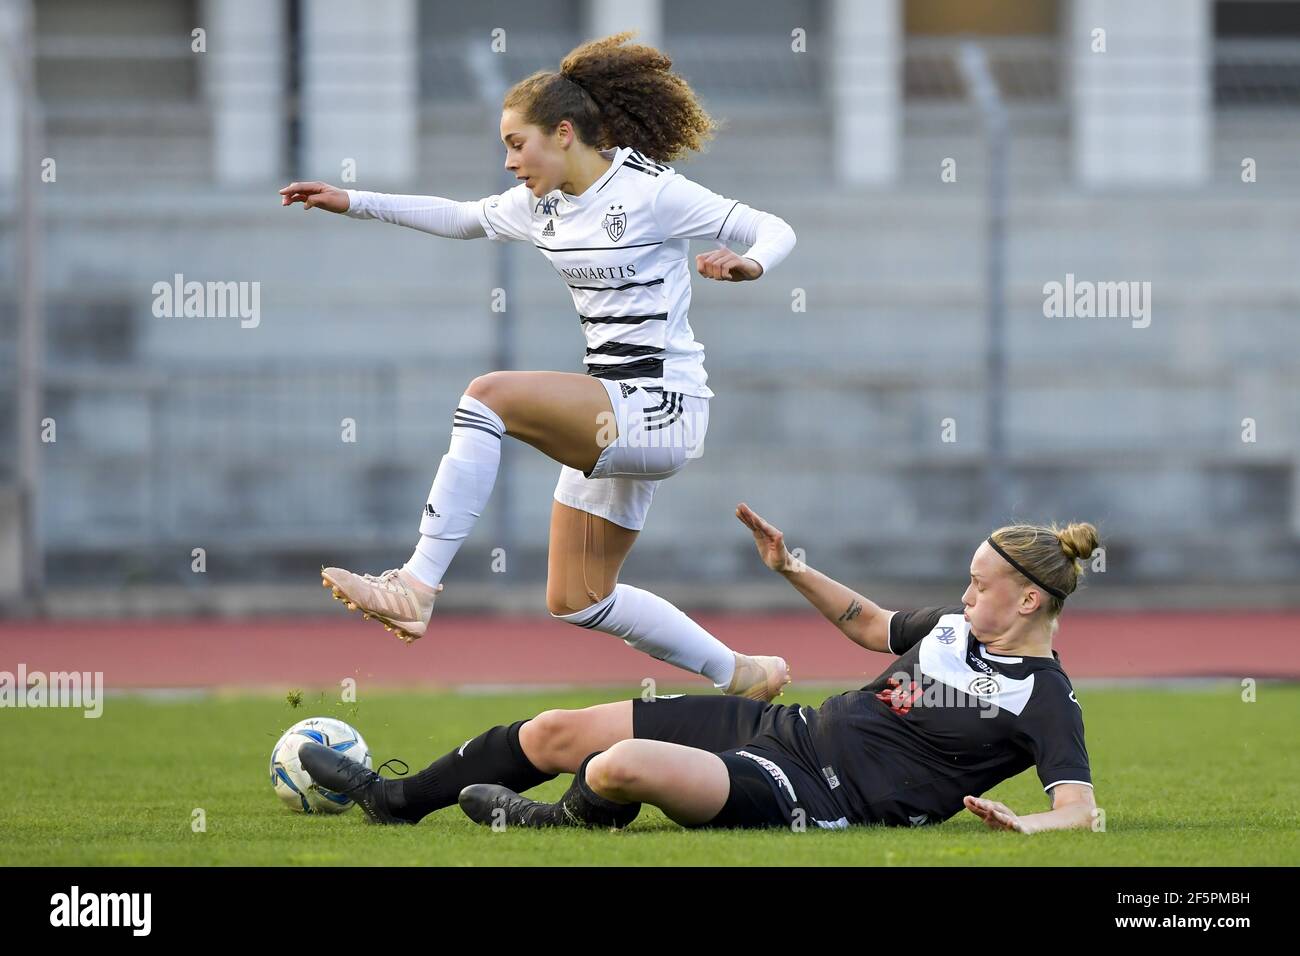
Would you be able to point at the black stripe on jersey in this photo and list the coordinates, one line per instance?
(724, 221)
(645, 160)
(642, 368)
(638, 167)
(607, 182)
(489, 218)
(641, 157)
(624, 319)
(624, 349)
(616, 288)
(635, 245)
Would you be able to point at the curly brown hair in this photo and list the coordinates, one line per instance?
(616, 95)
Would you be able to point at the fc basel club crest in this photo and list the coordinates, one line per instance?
(615, 223)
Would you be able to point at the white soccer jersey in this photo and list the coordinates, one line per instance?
(622, 249)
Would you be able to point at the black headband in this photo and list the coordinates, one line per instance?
(1059, 595)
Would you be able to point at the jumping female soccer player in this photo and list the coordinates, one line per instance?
(589, 143)
(976, 696)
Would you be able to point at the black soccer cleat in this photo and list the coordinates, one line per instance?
(341, 774)
(492, 804)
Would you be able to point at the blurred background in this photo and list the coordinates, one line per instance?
(890, 393)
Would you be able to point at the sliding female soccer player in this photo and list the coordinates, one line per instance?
(589, 143)
(976, 696)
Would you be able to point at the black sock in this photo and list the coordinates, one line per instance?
(581, 803)
(494, 756)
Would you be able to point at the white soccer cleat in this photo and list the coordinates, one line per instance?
(759, 678)
(396, 598)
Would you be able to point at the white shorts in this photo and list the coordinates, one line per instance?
(658, 432)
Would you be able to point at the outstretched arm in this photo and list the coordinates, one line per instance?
(448, 218)
(861, 620)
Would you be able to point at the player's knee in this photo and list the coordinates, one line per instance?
(547, 740)
(493, 390)
(614, 773)
(561, 602)
(557, 602)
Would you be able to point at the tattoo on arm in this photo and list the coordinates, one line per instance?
(854, 610)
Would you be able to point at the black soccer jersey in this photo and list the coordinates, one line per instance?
(945, 720)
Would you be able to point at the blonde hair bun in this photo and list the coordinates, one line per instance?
(1078, 540)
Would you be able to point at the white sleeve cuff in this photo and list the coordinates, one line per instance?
(770, 237)
(357, 205)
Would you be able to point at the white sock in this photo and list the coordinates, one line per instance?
(655, 627)
(460, 489)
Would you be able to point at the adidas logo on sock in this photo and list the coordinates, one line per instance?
(429, 510)
(550, 228)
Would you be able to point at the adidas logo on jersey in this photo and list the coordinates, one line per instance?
(429, 510)
(626, 388)
(550, 228)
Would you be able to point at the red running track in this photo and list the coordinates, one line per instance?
(537, 650)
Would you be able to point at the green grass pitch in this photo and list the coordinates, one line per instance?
(1185, 776)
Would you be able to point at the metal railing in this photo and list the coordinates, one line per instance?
(1256, 72)
(1027, 70)
(258, 458)
(728, 67)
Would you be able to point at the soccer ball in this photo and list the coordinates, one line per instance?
(294, 785)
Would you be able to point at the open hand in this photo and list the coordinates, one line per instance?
(996, 816)
(315, 196)
(768, 539)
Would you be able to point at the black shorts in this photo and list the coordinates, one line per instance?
(772, 789)
(774, 780)
(696, 720)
